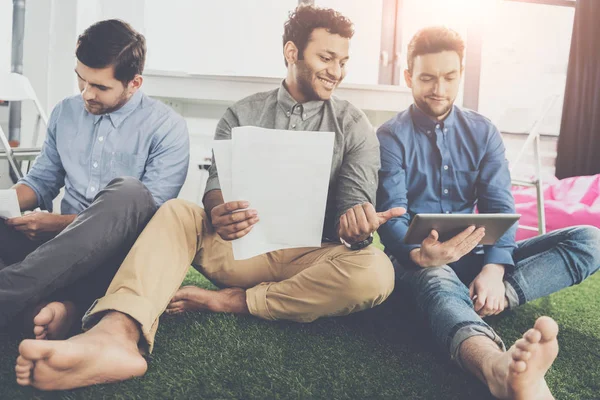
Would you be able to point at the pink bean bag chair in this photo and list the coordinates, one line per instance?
(568, 202)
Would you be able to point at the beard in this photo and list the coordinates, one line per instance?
(100, 108)
(305, 75)
(426, 108)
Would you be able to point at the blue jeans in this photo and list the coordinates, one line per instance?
(543, 265)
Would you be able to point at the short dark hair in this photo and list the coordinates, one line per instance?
(306, 18)
(434, 39)
(113, 42)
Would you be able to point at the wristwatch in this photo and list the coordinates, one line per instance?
(358, 245)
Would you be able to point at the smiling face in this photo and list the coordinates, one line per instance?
(101, 92)
(322, 68)
(435, 80)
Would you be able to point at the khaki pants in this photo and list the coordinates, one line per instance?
(293, 284)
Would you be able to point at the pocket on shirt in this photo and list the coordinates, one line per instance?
(126, 164)
(467, 185)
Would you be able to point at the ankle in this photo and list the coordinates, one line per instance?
(119, 325)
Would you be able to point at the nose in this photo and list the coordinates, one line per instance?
(439, 89)
(88, 93)
(335, 71)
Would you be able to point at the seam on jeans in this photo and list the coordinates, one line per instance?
(459, 326)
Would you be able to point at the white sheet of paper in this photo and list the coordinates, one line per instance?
(284, 175)
(9, 204)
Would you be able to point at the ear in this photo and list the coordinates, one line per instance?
(135, 83)
(408, 78)
(290, 52)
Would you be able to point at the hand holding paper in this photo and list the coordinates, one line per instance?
(9, 204)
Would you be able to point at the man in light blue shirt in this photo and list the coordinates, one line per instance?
(439, 158)
(119, 155)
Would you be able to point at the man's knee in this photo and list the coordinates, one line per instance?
(586, 243)
(181, 209)
(371, 279)
(128, 191)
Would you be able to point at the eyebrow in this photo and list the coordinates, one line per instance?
(93, 84)
(425, 74)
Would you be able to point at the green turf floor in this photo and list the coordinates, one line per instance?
(381, 353)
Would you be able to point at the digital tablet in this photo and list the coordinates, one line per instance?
(449, 225)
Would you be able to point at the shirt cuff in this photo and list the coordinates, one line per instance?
(497, 255)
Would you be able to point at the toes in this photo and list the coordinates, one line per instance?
(24, 381)
(547, 327)
(518, 366)
(520, 355)
(44, 317)
(34, 350)
(522, 344)
(38, 330)
(533, 336)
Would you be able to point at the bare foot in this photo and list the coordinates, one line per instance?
(193, 298)
(54, 320)
(519, 373)
(106, 353)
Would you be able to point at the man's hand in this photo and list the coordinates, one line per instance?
(232, 221)
(435, 254)
(40, 225)
(487, 291)
(359, 222)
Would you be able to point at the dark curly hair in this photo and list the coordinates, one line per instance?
(434, 39)
(113, 42)
(306, 18)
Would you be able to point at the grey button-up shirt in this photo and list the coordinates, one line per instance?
(355, 163)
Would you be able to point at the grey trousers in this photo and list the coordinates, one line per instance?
(79, 263)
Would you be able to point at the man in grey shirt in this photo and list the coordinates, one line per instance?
(346, 274)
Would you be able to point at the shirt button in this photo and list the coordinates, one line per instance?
(437, 126)
(445, 191)
(304, 116)
(101, 138)
(447, 212)
(446, 130)
(445, 167)
(92, 189)
(95, 165)
(428, 131)
(293, 126)
(288, 113)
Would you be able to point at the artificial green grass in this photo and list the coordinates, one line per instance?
(381, 353)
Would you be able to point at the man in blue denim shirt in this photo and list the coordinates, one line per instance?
(438, 158)
(119, 155)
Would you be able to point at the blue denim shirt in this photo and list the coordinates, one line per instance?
(83, 152)
(443, 167)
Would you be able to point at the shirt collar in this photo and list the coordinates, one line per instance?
(289, 105)
(427, 124)
(118, 116)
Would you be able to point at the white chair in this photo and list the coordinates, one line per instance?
(16, 87)
(533, 139)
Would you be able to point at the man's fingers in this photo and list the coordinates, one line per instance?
(372, 217)
(17, 221)
(471, 290)
(235, 205)
(480, 301)
(458, 239)
(240, 226)
(385, 216)
(343, 228)
(234, 218)
(352, 223)
(239, 234)
(362, 222)
(471, 241)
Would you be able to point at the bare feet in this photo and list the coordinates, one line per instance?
(519, 373)
(54, 320)
(193, 298)
(106, 353)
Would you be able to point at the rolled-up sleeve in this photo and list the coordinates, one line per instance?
(495, 196)
(47, 175)
(223, 132)
(357, 178)
(168, 161)
(392, 193)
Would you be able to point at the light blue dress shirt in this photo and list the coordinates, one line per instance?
(443, 167)
(83, 152)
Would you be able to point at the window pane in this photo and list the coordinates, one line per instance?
(365, 46)
(224, 37)
(524, 65)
